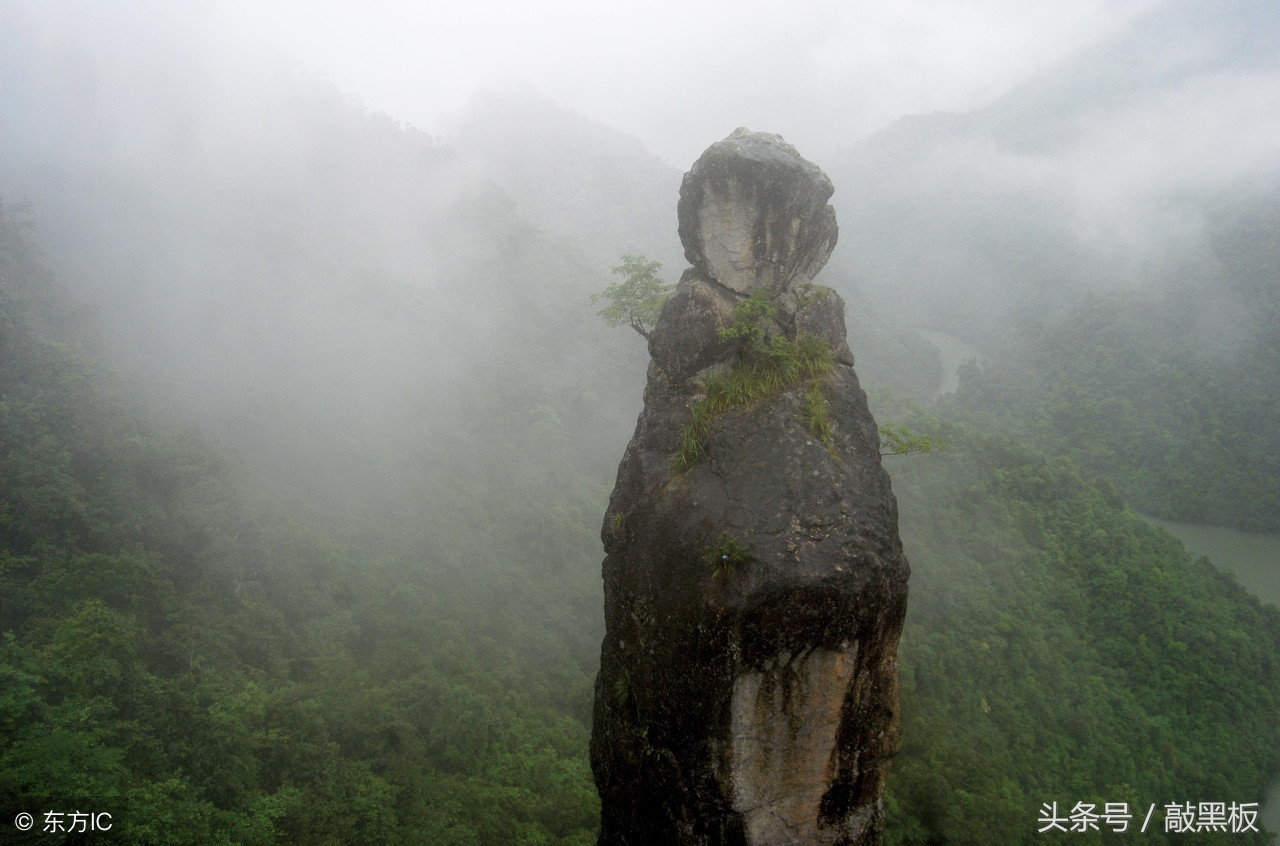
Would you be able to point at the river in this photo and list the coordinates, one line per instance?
(1254, 559)
(1255, 562)
(953, 352)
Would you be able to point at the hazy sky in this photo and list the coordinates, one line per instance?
(682, 73)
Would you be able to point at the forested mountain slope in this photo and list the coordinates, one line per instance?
(1060, 649)
(1174, 397)
(371, 612)
(1105, 233)
(303, 471)
(211, 668)
(326, 293)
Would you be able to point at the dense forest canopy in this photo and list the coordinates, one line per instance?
(307, 424)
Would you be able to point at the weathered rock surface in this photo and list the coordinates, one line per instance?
(748, 685)
(754, 214)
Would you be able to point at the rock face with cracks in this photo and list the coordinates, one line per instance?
(748, 685)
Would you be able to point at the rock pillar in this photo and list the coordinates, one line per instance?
(755, 588)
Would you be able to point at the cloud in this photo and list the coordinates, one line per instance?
(682, 74)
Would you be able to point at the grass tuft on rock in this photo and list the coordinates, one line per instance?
(816, 413)
(765, 366)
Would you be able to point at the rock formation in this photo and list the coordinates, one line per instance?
(754, 581)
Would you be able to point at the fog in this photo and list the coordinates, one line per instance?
(676, 74)
(337, 236)
(1100, 173)
(354, 246)
(1098, 122)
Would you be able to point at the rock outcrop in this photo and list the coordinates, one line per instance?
(755, 586)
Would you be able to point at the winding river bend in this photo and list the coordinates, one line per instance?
(1255, 562)
(953, 352)
(1254, 559)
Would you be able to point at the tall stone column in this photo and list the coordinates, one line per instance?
(755, 587)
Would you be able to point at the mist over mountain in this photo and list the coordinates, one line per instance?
(311, 281)
(307, 426)
(1097, 174)
(1113, 221)
(592, 186)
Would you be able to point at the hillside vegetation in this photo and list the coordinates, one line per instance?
(209, 668)
(1174, 397)
(1061, 649)
(307, 428)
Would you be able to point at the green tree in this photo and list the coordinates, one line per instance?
(899, 440)
(636, 300)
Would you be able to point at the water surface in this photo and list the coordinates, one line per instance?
(953, 352)
(1255, 561)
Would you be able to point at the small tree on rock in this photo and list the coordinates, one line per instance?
(899, 440)
(636, 300)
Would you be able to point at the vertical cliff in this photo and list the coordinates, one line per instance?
(755, 584)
